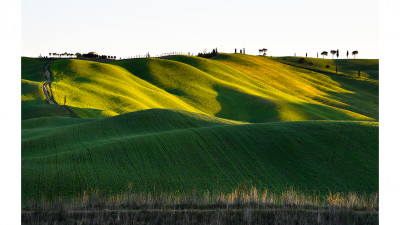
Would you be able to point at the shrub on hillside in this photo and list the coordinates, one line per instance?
(327, 66)
(311, 64)
(301, 61)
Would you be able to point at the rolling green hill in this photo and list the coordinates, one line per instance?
(369, 68)
(33, 100)
(167, 150)
(186, 123)
(232, 86)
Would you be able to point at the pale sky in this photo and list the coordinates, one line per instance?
(126, 28)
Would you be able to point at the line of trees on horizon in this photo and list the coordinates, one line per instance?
(79, 55)
(66, 54)
(205, 54)
(208, 54)
(336, 53)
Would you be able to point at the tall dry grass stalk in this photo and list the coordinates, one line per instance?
(238, 198)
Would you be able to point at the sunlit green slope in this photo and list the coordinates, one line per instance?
(232, 86)
(33, 100)
(168, 150)
(324, 94)
(101, 90)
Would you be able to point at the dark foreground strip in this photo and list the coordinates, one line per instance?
(196, 216)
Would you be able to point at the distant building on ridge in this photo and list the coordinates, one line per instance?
(91, 55)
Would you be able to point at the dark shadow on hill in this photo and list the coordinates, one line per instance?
(222, 56)
(40, 108)
(236, 105)
(33, 69)
(361, 101)
(319, 112)
(315, 69)
(368, 67)
(87, 112)
(141, 68)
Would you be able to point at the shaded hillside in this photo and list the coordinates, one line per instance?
(167, 150)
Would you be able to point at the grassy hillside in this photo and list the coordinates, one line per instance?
(33, 100)
(323, 93)
(186, 123)
(369, 68)
(33, 69)
(166, 150)
(232, 86)
(102, 90)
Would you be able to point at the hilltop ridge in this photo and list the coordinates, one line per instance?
(232, 86)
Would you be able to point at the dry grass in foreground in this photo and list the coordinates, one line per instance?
(241, 206)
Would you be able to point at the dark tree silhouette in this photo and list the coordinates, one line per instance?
(337, 54)
(208, 55)
(235, 50)
(241, 51)
(306, 54)
(355, 53)
(324, 53)
(265, 51)
(317, 55)
(347, 53)
(333, 52)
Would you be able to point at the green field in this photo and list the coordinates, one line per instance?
(186, 123)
